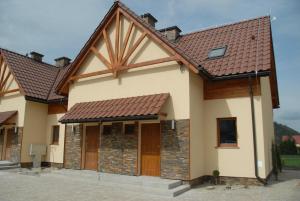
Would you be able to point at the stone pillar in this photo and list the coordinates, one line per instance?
(175, 150)
(130, 152)
(73, 147)
(118, 152)
(15, 154)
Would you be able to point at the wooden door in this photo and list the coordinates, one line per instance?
(9, 137)
(150, 150)
(91, 147)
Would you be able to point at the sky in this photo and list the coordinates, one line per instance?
(60, 28)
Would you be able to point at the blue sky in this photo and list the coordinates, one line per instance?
(60, 28)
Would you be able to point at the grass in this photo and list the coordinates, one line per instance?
(292, 161)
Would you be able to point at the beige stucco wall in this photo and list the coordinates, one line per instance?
(34, 127)
(197, 142)
(267, 115)
(55, 153)
(14, 102)
(160, 78)
(237, 162)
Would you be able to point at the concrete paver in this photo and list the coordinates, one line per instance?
(82, 186)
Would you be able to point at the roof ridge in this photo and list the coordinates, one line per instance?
(225, 25)
(27, 57)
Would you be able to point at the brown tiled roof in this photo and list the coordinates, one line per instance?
(131, 108)
(4, 116)
(37, 79)
(248, 45)
(248, 42)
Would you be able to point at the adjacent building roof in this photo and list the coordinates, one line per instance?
(37, 79)
(295, 137)
(4, 116)
(132, 108)
(248, 45)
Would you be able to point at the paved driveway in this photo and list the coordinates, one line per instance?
(61, 187)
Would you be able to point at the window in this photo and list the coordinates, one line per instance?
(107, 129)
(217, 52)
(129, 129)
(55, 134)
(227, 132)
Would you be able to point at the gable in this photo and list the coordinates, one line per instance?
(8, 83)
(121, 42)
(122, 47)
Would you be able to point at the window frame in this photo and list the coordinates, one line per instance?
(52, 135)
(103, 127)
(217, 48)
(130, 124)
(228, 145)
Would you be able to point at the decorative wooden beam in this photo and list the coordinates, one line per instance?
(152, 62)
(5, 80)
(9, 91)
(158, 41)
(101, 57)
(126, 41)
(2, 77)
(86, 75)
(117, 39)
(133, 48)
(109, 47)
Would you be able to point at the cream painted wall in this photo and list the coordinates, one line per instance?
(267, 115)
(164, 79)
(14, 102)
(236, 162)
(197, 155)
(34, 127)
(160, 78)
(55, 153)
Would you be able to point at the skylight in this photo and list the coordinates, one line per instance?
(217, 52)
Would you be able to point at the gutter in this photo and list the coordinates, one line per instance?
(202, 70)
(109, 119)
(263, 181)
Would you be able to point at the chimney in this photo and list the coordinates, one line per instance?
(171, 33)
(62, 61)
(36, 56)
(147, 17)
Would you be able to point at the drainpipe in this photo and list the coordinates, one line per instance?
(254, 132)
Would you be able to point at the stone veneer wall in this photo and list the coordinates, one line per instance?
(15, 154)
(1, 144)
(119, 152)
(73, 142)
(175, 150)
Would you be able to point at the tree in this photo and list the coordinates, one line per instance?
(288, 147)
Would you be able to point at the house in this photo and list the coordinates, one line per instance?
(294, 137)
(142, 101)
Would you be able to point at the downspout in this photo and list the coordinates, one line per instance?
(254, 132)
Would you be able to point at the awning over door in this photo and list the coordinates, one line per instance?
(5, 116)
(131, 108)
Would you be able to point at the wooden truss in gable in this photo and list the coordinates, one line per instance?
(120, 52)
(6, 78)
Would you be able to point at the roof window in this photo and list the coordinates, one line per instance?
(217, 52)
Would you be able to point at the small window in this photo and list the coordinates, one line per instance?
(129, 129)
(55, 134)
(107, 129)
(227, 132)
(217, 52)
